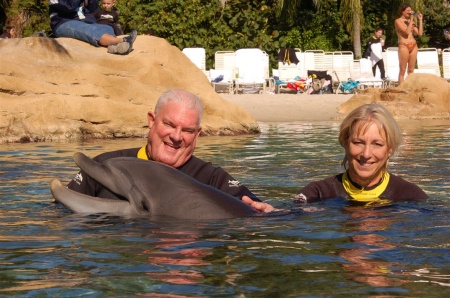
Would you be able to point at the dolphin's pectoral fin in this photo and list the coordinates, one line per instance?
(81, 203)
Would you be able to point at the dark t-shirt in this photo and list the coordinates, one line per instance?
(397, 190)
(110, 18)
(198, 169)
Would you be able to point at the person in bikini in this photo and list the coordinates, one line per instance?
(405, 27)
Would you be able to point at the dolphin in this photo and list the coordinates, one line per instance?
(150, 189)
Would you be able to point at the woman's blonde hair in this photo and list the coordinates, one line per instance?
(368, 114)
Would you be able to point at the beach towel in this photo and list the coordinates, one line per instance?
(287, 55)
(348, 86)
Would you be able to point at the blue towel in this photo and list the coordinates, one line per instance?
(349, 86)
(218, 79)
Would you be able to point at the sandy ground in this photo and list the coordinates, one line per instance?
(289, 107)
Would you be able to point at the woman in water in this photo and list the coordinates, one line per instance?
(406, 27)
(370, 136)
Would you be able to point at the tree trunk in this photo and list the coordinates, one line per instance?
(357, 35)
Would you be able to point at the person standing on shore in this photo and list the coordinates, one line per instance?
(376, 43)
(406, 28)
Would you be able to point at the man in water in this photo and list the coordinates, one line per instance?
(174, 128)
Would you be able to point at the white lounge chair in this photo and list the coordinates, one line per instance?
(222, 80)
(225, 66)
(286, 72)
(318, 60)
(266, 62)
(225, 60)
(310, 60)
(428, 61)
(366, 77)
(446, 63)
(355, 72)
(253, 68)
(197, 56)
(328, 61)
(392, 66)
(342, 64)
(292, 73)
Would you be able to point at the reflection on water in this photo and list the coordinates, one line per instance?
(399, 250)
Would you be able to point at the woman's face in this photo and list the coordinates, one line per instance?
(367, 153)
(407, 12)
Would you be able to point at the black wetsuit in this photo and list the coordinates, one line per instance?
(198, 169)
(397, 190)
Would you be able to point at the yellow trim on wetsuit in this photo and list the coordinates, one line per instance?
(362, 195)
(142, 153)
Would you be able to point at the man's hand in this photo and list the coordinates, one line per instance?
(258, 206)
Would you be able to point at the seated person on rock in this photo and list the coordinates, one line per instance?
(370, 136)
(107, 15)
(174, 127)
(74, 19)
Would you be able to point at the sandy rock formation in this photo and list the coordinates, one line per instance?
(53, 89)
(420, 96)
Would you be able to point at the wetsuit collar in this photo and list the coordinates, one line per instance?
(143, 154)
(363, 195)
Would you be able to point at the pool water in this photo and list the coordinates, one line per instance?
(332, 249)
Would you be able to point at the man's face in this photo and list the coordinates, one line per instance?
(108, 4)
(173, 134)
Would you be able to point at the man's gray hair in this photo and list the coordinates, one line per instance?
(183, 97)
